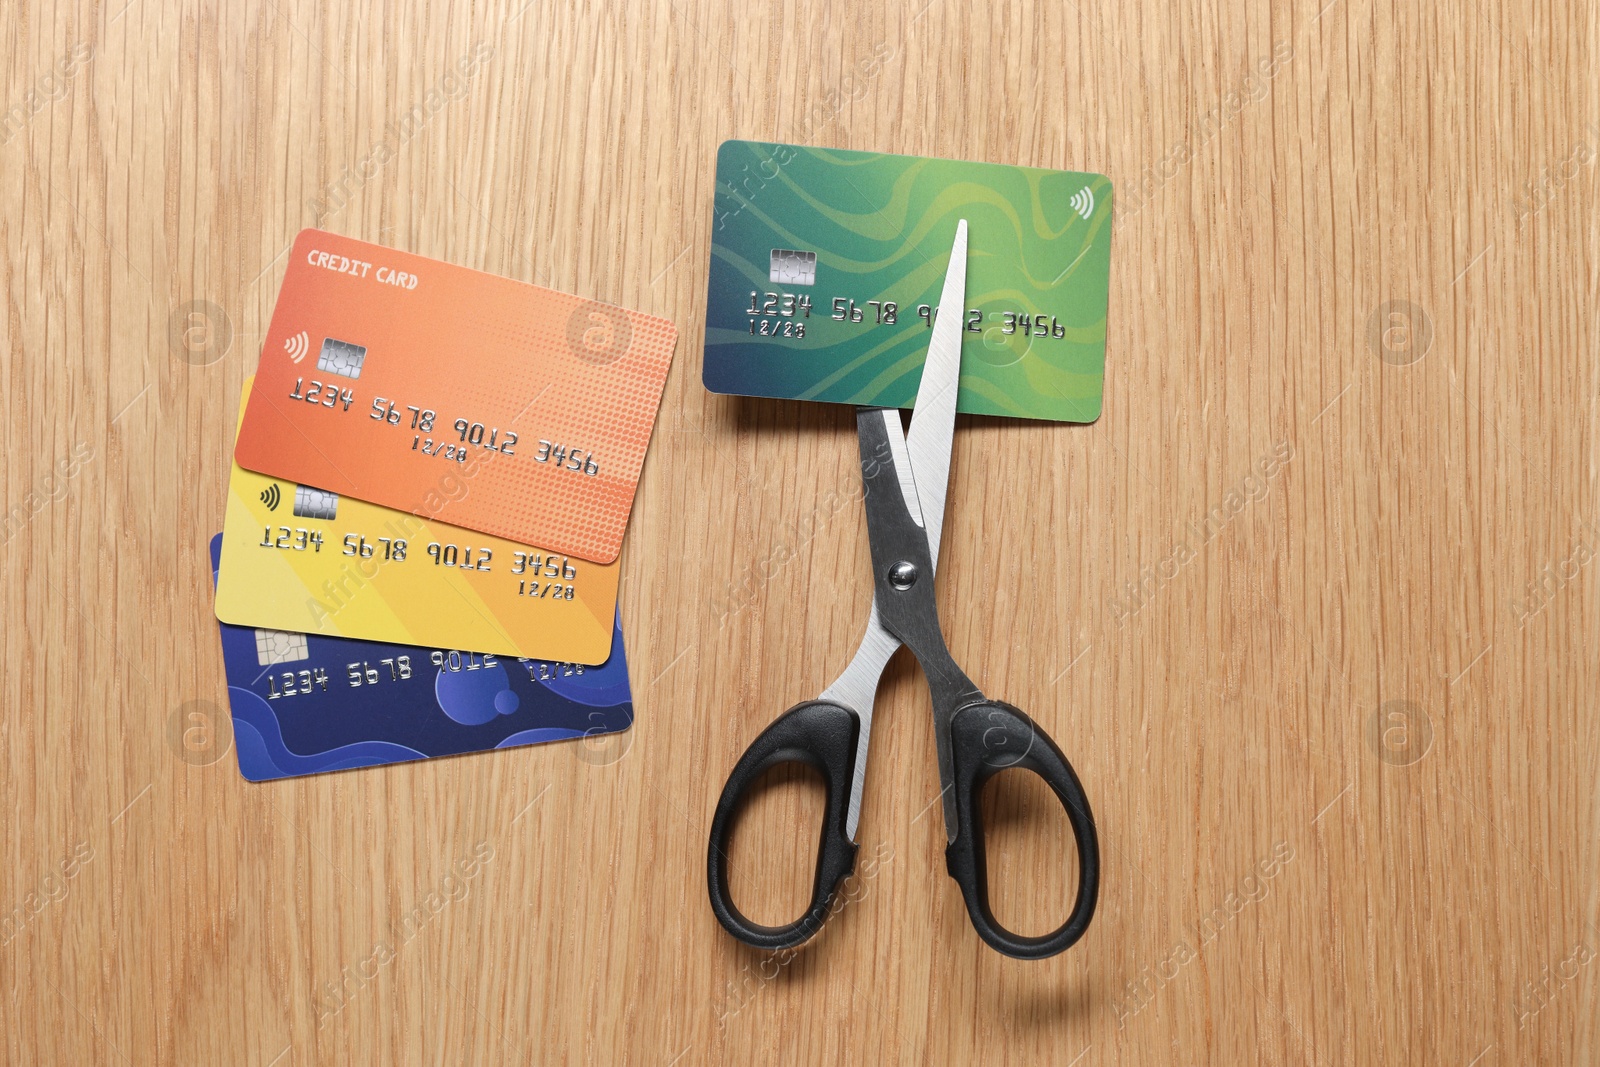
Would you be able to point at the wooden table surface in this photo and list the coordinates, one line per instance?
(1313, 607)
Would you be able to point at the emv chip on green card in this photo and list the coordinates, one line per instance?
(826, 269)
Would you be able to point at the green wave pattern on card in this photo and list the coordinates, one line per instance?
(880, 227)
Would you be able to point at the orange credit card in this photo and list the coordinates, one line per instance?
(457, 396)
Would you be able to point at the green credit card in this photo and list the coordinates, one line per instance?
(826, 267)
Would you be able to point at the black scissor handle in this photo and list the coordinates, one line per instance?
(822, 735)
(985, 739)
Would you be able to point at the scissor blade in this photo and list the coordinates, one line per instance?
(857, 689)
(933, 422)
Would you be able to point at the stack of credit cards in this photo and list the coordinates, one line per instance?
(433, 472)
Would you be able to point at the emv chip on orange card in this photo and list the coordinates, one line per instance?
(456, 395)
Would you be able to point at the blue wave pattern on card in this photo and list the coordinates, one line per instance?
(304, 704)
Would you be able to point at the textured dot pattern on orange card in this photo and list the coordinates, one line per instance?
(591, 400)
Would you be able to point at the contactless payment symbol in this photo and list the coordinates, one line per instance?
(270, 496)
(297, 347)
(1082, 202)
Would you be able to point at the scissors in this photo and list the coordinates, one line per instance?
(906, 474)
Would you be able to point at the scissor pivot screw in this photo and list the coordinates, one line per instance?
(903, 575)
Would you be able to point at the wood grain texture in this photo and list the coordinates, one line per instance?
(1337, 720)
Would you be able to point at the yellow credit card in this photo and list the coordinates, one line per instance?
(300, 559)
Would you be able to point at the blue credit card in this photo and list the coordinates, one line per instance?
(304, 704)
